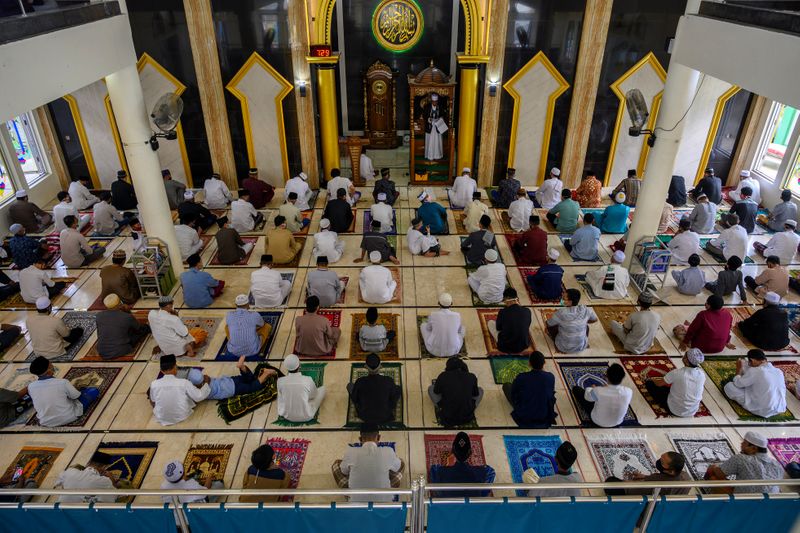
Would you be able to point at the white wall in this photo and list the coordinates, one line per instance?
(40, 194)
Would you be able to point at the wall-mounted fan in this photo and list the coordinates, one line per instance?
(165, 115)
(637, 110)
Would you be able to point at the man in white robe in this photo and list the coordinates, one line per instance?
(433, 135)
(299, 185)
(376, 282)
(463, 188)
(443, 333)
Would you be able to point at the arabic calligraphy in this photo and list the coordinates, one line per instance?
(397, 24)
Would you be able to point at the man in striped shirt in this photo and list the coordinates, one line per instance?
(630, 186)
(246, 329)
(569, 326)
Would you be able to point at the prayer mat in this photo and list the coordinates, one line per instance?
(718, 258)
(511, 239)
(581, 279)
(439, 451)
(701, 451)
(290, 455)
(307, 214)
(74, 319)
(270, 317)
(129, 461)
(100, 377)
(721, 370)
(529, 451)
(623, 457)
(204, 239)
(607, 313)
(505, 221)
(335, 318)
(389, 321)
(459, 216)
(742, 312)
(33, 463)
(474, 267)
(565, 237)
(316, 371)
(424, 351)
(286, 276)
(793, 310)
(236, 407)
(15, 301)
(209, 324)
(368, 222)
(204, 460)
(505, 369)
(642, 367)
(295, 262)
(352, 227)
(545, 224)
(589, 375)
(243, 262)
(93, 356)
(394, 371)
(791, 373)
(485, 316)
(535, 300)
(397, 296)
(785, 450)
(476, 301)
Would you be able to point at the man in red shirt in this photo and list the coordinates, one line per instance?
(531, 246)
(260, 192)
(710, 331)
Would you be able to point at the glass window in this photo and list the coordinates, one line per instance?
(793, 180)
(6, 185)
(26, 145)
(775, 142)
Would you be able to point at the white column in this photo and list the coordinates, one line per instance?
(125, 92)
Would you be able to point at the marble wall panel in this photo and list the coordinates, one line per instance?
(93, 115)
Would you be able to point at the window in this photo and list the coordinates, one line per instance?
(6, 185)
(793, 179)
(776, 140)
(26, 145)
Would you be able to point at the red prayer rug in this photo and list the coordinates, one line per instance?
(529, 271)
(290, 455)
(791, 373)
(439, 451)
(641, 368)
(485, 315)
(335, 318)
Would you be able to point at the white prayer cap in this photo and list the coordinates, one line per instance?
(445, 300)
(465, 170)
(303, 176)
(22, 193)
(695, 356)
(195, 376)
(619, 197)
(241, 300)
(553, 254)
(772, 298)
(790, 222)
(324, 223)
(435, 97)
(490, 255)
(173, 471)
(421, 196)
(756, 439)
(375, 256)
(745, 173)
(291, 362)
(188, 195)
(381, 196)
(42, 303)
(15, 229)
(555, 171)
(619, 256)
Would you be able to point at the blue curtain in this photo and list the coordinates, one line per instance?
(297, 520)
(721, 516)
(82, 520)
(599, 517)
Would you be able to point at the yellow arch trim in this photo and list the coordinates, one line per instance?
(649, 60)
(112, 120)
(713, 128)
(651, 123)
(253, 60)
(83, 139)
(539, 58)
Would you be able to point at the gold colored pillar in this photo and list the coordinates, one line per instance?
(306, 125)
(58, 165)
(467, 104)
(328, 119)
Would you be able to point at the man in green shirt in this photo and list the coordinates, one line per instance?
(564, 216)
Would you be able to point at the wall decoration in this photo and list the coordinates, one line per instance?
(397, 25)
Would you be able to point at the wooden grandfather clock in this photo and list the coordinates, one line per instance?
(380, 111)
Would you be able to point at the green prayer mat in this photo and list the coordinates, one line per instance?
(719, 258)
(315, 371)
(505, 369)
(392, 242)
(236, 407)
(423, 351)
(394, 371)
(476, 301)
(722, 370)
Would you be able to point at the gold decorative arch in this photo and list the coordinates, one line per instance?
(713, 128)
(83, 139)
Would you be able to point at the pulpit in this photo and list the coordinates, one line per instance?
(353, 145)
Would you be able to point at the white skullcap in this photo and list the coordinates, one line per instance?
(195, 376)
(465, 170)
(434, 97)
(490, 255)
(173, 471)
(291, 362)
(381, 196)
(421, 196)
(242, 299)
(619, 256)
(772, 298)
(619, 197)
(756, 439)
(21, 193)
(555, 171)
(188, 195)
(15, 228)
(324, 223)
(790, 222)
(303, 176)
(553, 254)
(42, 303)
(695, 356)
(375, 256)
(745, 173)
(445, 300)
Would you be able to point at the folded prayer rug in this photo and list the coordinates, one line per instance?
(394, 371)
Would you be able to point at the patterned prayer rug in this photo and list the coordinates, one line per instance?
(270, 317)
(295, 262)
(793, 310)
(622, 457)
(129, 460)
(100, 377)
(476, 301)
(397, 297)
(505, 221)
(505, 369)
(204, 460)
(718, 258)
(701, 451)
(216, 262)
(306, 216)
(205, 240)
(785, 450)
(589, 375)
(529, 451)
(394, 371)
(607, 313)
(368, 221)
(535, 300)
(389, 321)
(721, 370)
(32, 462)
(439, 451)
(791, 373)
(545, 224)
(316, 371)
(335, 318)
(236, 407)
(484, 317)
(15, 301)
(74, 319)
(459, 216)
(423, 350)
(290, 455)
(209, 324)
(642, 367)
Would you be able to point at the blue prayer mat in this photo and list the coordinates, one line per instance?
(270, 317)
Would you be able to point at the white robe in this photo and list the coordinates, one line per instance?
(751, 182)
(519, 213)
(384, 214)
(443, 333)
(419, 243)
(217, 195)
(365, 168)
(549, 194)
(461, 193)
(784, 245)
(304, 193)
(81, 197)
(327, 243)
(376, 284)
(242, 213)
(433, 144)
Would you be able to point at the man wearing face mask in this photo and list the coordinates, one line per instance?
(670, 467)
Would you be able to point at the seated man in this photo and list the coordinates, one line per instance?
(118, 332)
(747, 181)
(433, 215)
(80, 193)
(520, 211)
(507, 190)
(123, 195)
(630, 186)
(461, 471)
(532, 395)
(478, 242)
(216, 193)
(703, 216)
(25, 250)
(13, 403)
(608, 404)
(281, 244)
(35, 283)
(199, 288)
(511, 330)
(298, 397)
(375, 282)
(95, 475)
(176, 479)
(754, 462)
(455, 394)
(564, 215)
(75, 249)
(299, 186)
(746, 209)
(473, 212)
(680, 391)
(732, 241)
(261, 193)
(610, 282)
(783, 245)
(339, 212)
(549, 192)
(369, 466)
(670, 467)
(614, 218)
(339, 182)
(117, 279)
(56, 400)
(667, 214)
(171, 334)
(767, 328)
(729, 280)
(778, 215)
(684, 244)
(582, 246)
(383, 213)
(245, 217)
(566, 455)
(225, 387)
(373, 337)
(190, 209)
(489, 281)
(385, 185)
(639, 330)
(421, 242)
(327, 242)
(324, 284)
(690, 281)
(569, 326)
(775, 278)
(374, 396)
(188, 239)
(7, 286)
(443, 333)
(109, 222)
(28, 214)
(546, 282)
(294, 217)
(710, 331)
(758, 386)
(173, 398)
(464, 186)
(231, 249)
(589, 192)
(50, 336)
(710, 185)
(530, 247)
(374, 240)
(263, 473)
(314, 334)
(245, 329)
(267, 287)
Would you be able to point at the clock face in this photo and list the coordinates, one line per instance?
(379, 87)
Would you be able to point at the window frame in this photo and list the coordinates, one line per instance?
(13, 166)
(31, 128)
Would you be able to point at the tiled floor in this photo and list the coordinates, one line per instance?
(124, 414)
